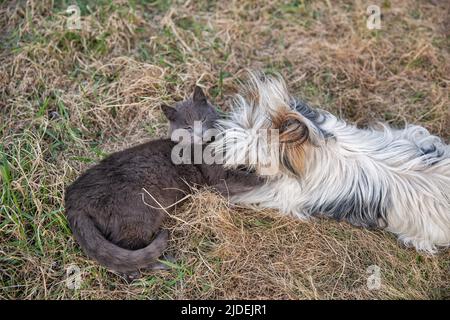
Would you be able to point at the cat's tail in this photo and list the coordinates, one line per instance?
(96, 246)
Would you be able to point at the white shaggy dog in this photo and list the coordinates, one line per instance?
(375, 177)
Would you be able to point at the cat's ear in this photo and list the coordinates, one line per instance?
(169, 112)
(199, 96)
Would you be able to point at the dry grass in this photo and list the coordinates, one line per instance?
(68, 98)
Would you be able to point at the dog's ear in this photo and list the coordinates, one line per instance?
(294, 136)
(293, 130)
(169, 112)
(199, 96)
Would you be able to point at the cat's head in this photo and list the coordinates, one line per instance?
(194, 116)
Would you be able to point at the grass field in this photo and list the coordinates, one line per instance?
(70, 97)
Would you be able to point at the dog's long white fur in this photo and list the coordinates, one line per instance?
(382, 177)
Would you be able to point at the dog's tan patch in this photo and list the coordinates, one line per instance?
(293, 157)
(293, 139)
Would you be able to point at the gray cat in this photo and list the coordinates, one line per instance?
(116, 221)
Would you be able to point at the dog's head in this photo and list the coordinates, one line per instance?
(264, 132)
